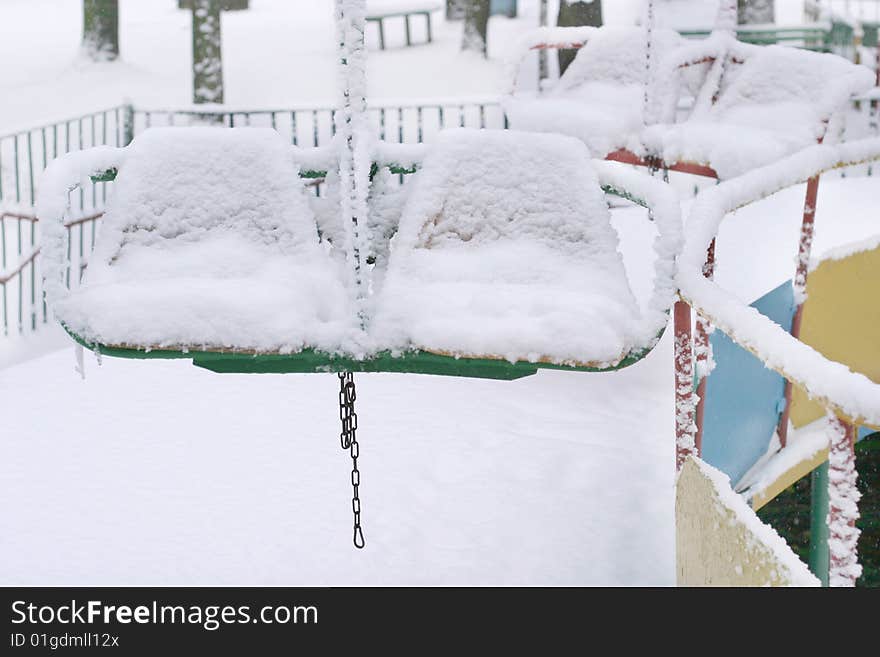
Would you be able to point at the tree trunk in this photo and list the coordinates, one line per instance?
(454, 10)
(756, 11)
(543, 73)
(476, 26)
(225, 5)
(207, 53)
(100, 39)
(572, 14)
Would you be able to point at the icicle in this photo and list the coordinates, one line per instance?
(80, 367)
(98, 358)
(843, 505)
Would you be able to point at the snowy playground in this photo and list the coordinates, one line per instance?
(553, 297)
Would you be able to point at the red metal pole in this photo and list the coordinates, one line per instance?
(684, 384)
(843, 509)
(800, 289)
(701, 347)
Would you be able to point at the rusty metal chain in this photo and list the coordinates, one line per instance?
(348, 440)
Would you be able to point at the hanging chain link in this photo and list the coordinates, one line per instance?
(348, 440)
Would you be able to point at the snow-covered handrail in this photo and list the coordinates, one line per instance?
(544, 38)
(850, 395)
(666, 210)
(62, 176)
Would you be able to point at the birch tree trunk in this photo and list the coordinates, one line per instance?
(207, 52)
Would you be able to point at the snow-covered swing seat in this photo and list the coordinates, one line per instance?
(752, 105)
(210, 250)
(600, 99)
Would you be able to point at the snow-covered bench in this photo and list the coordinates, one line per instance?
(380, 10)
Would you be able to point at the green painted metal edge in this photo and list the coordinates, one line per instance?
(310, 361)
(104, 176)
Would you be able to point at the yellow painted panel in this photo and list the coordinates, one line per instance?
(719, 541)
(842, 321)
(787, 478)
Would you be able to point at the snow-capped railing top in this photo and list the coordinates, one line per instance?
(850, 395)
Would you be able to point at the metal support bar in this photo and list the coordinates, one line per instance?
(800, 287)
(684, 384)
(702, 348)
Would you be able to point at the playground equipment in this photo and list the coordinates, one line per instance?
(850, 398)
(752, 105)
(224, 266)
(481, 236)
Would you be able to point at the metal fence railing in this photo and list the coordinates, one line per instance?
(314, 126)
(23, 156)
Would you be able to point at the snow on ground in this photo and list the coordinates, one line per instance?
(160, 473)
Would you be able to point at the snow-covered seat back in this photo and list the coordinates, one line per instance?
(600, 98)
(773, 101)
(185, 183)
(783, 76)
(615, 55)
(209, 241)
(505, 250)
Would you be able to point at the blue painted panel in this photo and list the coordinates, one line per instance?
(744, 398)
(505, 7)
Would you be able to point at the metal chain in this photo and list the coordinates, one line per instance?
(348, 440)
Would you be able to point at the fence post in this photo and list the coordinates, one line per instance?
(127, 123)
